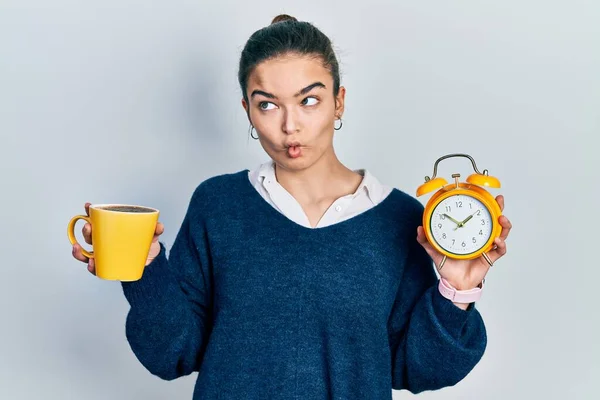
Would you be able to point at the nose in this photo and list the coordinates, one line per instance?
(291, 124)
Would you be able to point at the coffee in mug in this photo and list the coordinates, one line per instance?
(134, 209)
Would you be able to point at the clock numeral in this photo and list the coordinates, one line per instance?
(442, 217)
(470, 206)
(453, 240)
(440, 226)
(448, 208)
(481, 232)
(459, 204)
(478, 212)
(463, 244)
(474, 240)
(443, 236)
(483, 222)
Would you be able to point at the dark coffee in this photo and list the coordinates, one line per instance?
(132, 209)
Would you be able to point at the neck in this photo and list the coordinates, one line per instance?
(327, 178)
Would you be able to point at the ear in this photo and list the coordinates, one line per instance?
(339, 102)
(245, 105)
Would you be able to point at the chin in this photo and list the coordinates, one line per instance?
(294, 164)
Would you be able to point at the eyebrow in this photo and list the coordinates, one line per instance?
(300, 93)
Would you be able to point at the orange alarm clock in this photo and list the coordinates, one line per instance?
(461, 219)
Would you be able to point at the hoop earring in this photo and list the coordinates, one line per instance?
(339, 127)
(251, 130)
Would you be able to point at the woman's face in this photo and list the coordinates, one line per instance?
(293, 109)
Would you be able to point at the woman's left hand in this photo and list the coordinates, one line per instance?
(467, 274)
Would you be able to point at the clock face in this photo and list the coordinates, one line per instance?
(461, 224)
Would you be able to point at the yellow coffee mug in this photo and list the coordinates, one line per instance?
(121, 239)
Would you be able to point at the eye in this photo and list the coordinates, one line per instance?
(307, 101)
(264, 105)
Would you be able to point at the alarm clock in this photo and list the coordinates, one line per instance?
(460, 220)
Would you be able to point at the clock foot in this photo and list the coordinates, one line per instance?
(442, 263)
(487, 258)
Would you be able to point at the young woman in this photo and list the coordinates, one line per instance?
(302, 278)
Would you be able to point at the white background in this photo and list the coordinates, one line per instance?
(137, 102)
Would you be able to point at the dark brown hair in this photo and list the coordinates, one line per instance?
(287, 35)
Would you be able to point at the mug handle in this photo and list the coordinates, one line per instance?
(71, 233)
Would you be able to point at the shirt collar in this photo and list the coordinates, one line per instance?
(369, 183)
(266, 171)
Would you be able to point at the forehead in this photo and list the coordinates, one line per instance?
(286, 75)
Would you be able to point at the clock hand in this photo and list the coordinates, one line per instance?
(452, 219)
(466, 219)
(461, 224)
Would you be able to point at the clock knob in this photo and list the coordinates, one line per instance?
(456, 176)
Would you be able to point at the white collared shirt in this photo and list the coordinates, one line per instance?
(370, 192)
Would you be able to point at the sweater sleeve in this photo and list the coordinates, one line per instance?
(434, 344)
(168, 323)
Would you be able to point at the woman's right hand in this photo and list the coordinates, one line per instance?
(87, 235)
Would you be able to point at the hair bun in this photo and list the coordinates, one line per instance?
(282, 18)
